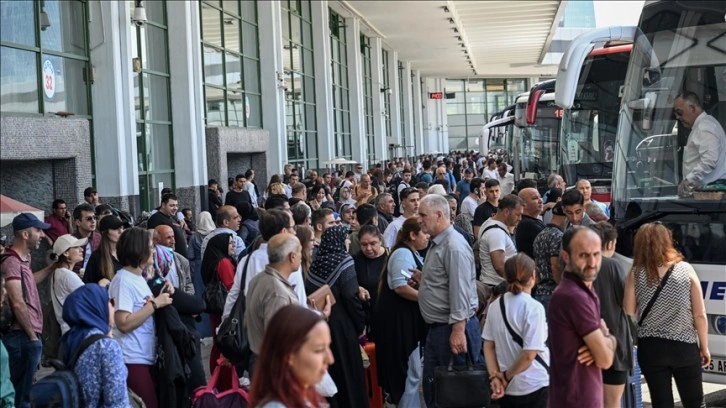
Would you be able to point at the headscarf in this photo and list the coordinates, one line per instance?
(331, 258)
(85, 310)
(205, 224)
(163, 258)
(217, 249)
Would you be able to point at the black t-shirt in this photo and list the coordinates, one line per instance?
(233, 198)
(527, 231)
(483, 212)
(179, 236)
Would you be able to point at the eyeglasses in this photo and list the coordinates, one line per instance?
(91, 218)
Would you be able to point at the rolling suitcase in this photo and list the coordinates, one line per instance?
(633, 396)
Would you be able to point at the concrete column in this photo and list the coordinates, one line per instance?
(187, 109)
(273, 98)
(417, 114)
(407, 132)
(323, 81)
(379, 121)
(114, 125)
(395, 114)
(436, 135)
(356, 91)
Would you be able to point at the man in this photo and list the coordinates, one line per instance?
(322, 219)
(553, 181)
(214, 201)
(462, 187)
(476, 197)
(301, 214)
(364, 191)
(489, 207)
(610, 288)
(189, 221)
(585, 188)
(573, 204)
(506, 179)
(449, 167)
(167, 216)
(179, 272)
(490, 171)
(286, 173)
(577, 335)
(227, 222)
(530, 225)
(495, 242)
(291, 181)
(237, 193)
(704, 157)
(403, 183)
(250, 187)
(425, 176)
(442, 179)
(23, 340)
(273, 222)
(90, 196)
(409, 204)
(385, 206)
(595, 212)
(447, 295)
(358, 172)
(86, 221)
(59, 221)
(546, 249)
(299, 190)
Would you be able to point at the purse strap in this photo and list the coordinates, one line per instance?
(517, 338)
(655, 295)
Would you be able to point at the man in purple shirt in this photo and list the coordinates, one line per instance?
(580, 342)
(59, 220)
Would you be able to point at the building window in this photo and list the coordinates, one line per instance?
(231, 62)
(365, 50)
(473, 106)
(152, 97)
(341, 91)
(299, 74)
(385, 58)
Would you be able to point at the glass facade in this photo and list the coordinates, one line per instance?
(474, 103)
(152, 100)
(299, 75)
(44, 64)
(231, 63)
(340, 87)
(386, 91)
(365, 50)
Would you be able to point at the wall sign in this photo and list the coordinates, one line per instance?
(48, 79)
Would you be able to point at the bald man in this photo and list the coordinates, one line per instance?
(179, 272)
(585, 188)
(531, 225)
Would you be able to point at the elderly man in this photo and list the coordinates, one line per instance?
(179, 273)
(447, 296)
(385, 206)
(704, 157)
(554, 180)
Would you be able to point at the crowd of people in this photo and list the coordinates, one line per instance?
(436, 261)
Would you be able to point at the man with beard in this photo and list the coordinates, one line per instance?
(578, 336)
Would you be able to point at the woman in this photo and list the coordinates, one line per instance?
(517, 373)
(294, 357)
(218, 260)
(334, 267)
(672, 327)
(345, 197)
(205, 225)
(347, 214)
(397, 314)
(306, 235)
(103, 263)
(67, 251)
(276, 181)
(100, 368)
(369, 265)
(317, 195)
(135, 305)
(249, 228)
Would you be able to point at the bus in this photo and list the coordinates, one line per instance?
(496, 136)
(587, 137)
(678, 46)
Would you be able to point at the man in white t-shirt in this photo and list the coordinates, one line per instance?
(495, 242)
(409, 205)
(506, 179)
(476, 197)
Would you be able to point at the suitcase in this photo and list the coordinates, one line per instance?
(633, 395)
(375, 392)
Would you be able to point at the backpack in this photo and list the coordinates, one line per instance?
(62, 388)
(51, 328)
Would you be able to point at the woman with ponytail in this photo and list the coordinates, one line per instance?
(518, 369)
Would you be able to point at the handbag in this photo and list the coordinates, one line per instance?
(316, 300)
(517, 338)
(208, 397)
(231, 338)
(461, 387)
(215, 296)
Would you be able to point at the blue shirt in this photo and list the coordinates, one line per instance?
(102, 374)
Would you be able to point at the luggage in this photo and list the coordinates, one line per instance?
(633, 395)
(208, 397)
(375, 392)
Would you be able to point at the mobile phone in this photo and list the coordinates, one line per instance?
(406, 274)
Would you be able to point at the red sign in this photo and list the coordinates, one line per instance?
(436, 95)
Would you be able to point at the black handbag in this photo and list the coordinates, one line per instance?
(231, 338)
(462, 387)
(215, 296)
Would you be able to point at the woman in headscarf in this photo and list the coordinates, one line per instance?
(369, 265)
(334, 267)
(218, 260)
(100, 368)
(205, 225)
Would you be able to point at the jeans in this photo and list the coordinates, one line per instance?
(662, 360)
(437, 352)
(24, 357)
(411, 397)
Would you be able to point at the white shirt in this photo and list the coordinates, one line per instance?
(704, 157)
(258, 261)
(130, 292)
(494, 240)
(506, 183)
(468, 206)
(490, 174)
(391, 232)
(250, 188)
(63, 283)
(526, 316)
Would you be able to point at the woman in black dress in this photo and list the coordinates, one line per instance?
(334, 267)
(369, 264)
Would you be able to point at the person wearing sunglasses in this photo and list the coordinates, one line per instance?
(84, 216)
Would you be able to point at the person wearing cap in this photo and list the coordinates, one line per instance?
(86, 223)
(90, 196)
(67, 251)
(546, 247)
(103, 263)
(23, 340)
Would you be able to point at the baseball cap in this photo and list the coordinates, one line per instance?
(558, 210)
(88, 191)
(110, 222)
(66, 242)
(27, 220)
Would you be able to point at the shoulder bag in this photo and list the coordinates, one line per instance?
(655, 295)
(517, 338)
(232, 338)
